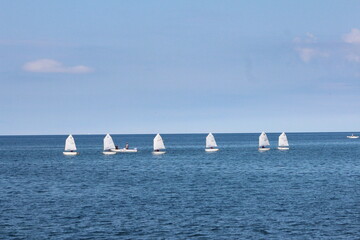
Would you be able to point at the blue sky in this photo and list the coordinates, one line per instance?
(179, 66)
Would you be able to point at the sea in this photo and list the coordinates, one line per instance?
(311, 191)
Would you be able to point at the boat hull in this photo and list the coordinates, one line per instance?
(109, 153)
(70, 153)
(158, 153)
(123, 150)
(283, 148)
(211, 149)
(264, 149)
(352, 137)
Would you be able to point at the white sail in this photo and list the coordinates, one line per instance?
(70, 144)
(263, 140)
(158, 143)
(108, 142)
(283, 141)
(210, 141)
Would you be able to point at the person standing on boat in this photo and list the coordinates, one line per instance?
(126, 146)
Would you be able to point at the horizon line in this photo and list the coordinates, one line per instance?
(88, 134)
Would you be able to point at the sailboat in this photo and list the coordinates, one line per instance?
(108, 145)
(70, 146)
(283, 142)
(263, 142)
(211, 143)
(352, 136)
(158, 145)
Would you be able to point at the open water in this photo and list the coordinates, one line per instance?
(311, 191)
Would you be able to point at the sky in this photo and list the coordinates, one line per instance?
(179, 66)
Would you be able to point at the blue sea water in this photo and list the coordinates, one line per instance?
(311, 191)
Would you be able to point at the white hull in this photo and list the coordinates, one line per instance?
(283, 148)
(211, 149)
(70, 153)
(124, 150)
(157, 153)
(352, 136)
(264, 149)
(109, 153)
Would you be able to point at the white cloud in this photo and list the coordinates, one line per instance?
(308, 47)
(52, 66)
(306, 53)
(353, 36)
(309, 38)
(353, 57)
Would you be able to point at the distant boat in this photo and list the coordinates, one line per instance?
(283, 142)
(211, 143)
(158, 145)
(126, 149)
(70, 146)
(108, 145)
(352, 136)
(263, 142)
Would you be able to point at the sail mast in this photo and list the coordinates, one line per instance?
(158, 143)
(108, 142)
(283, 141)
(210, 141)
(263, 140)
(70, 144)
